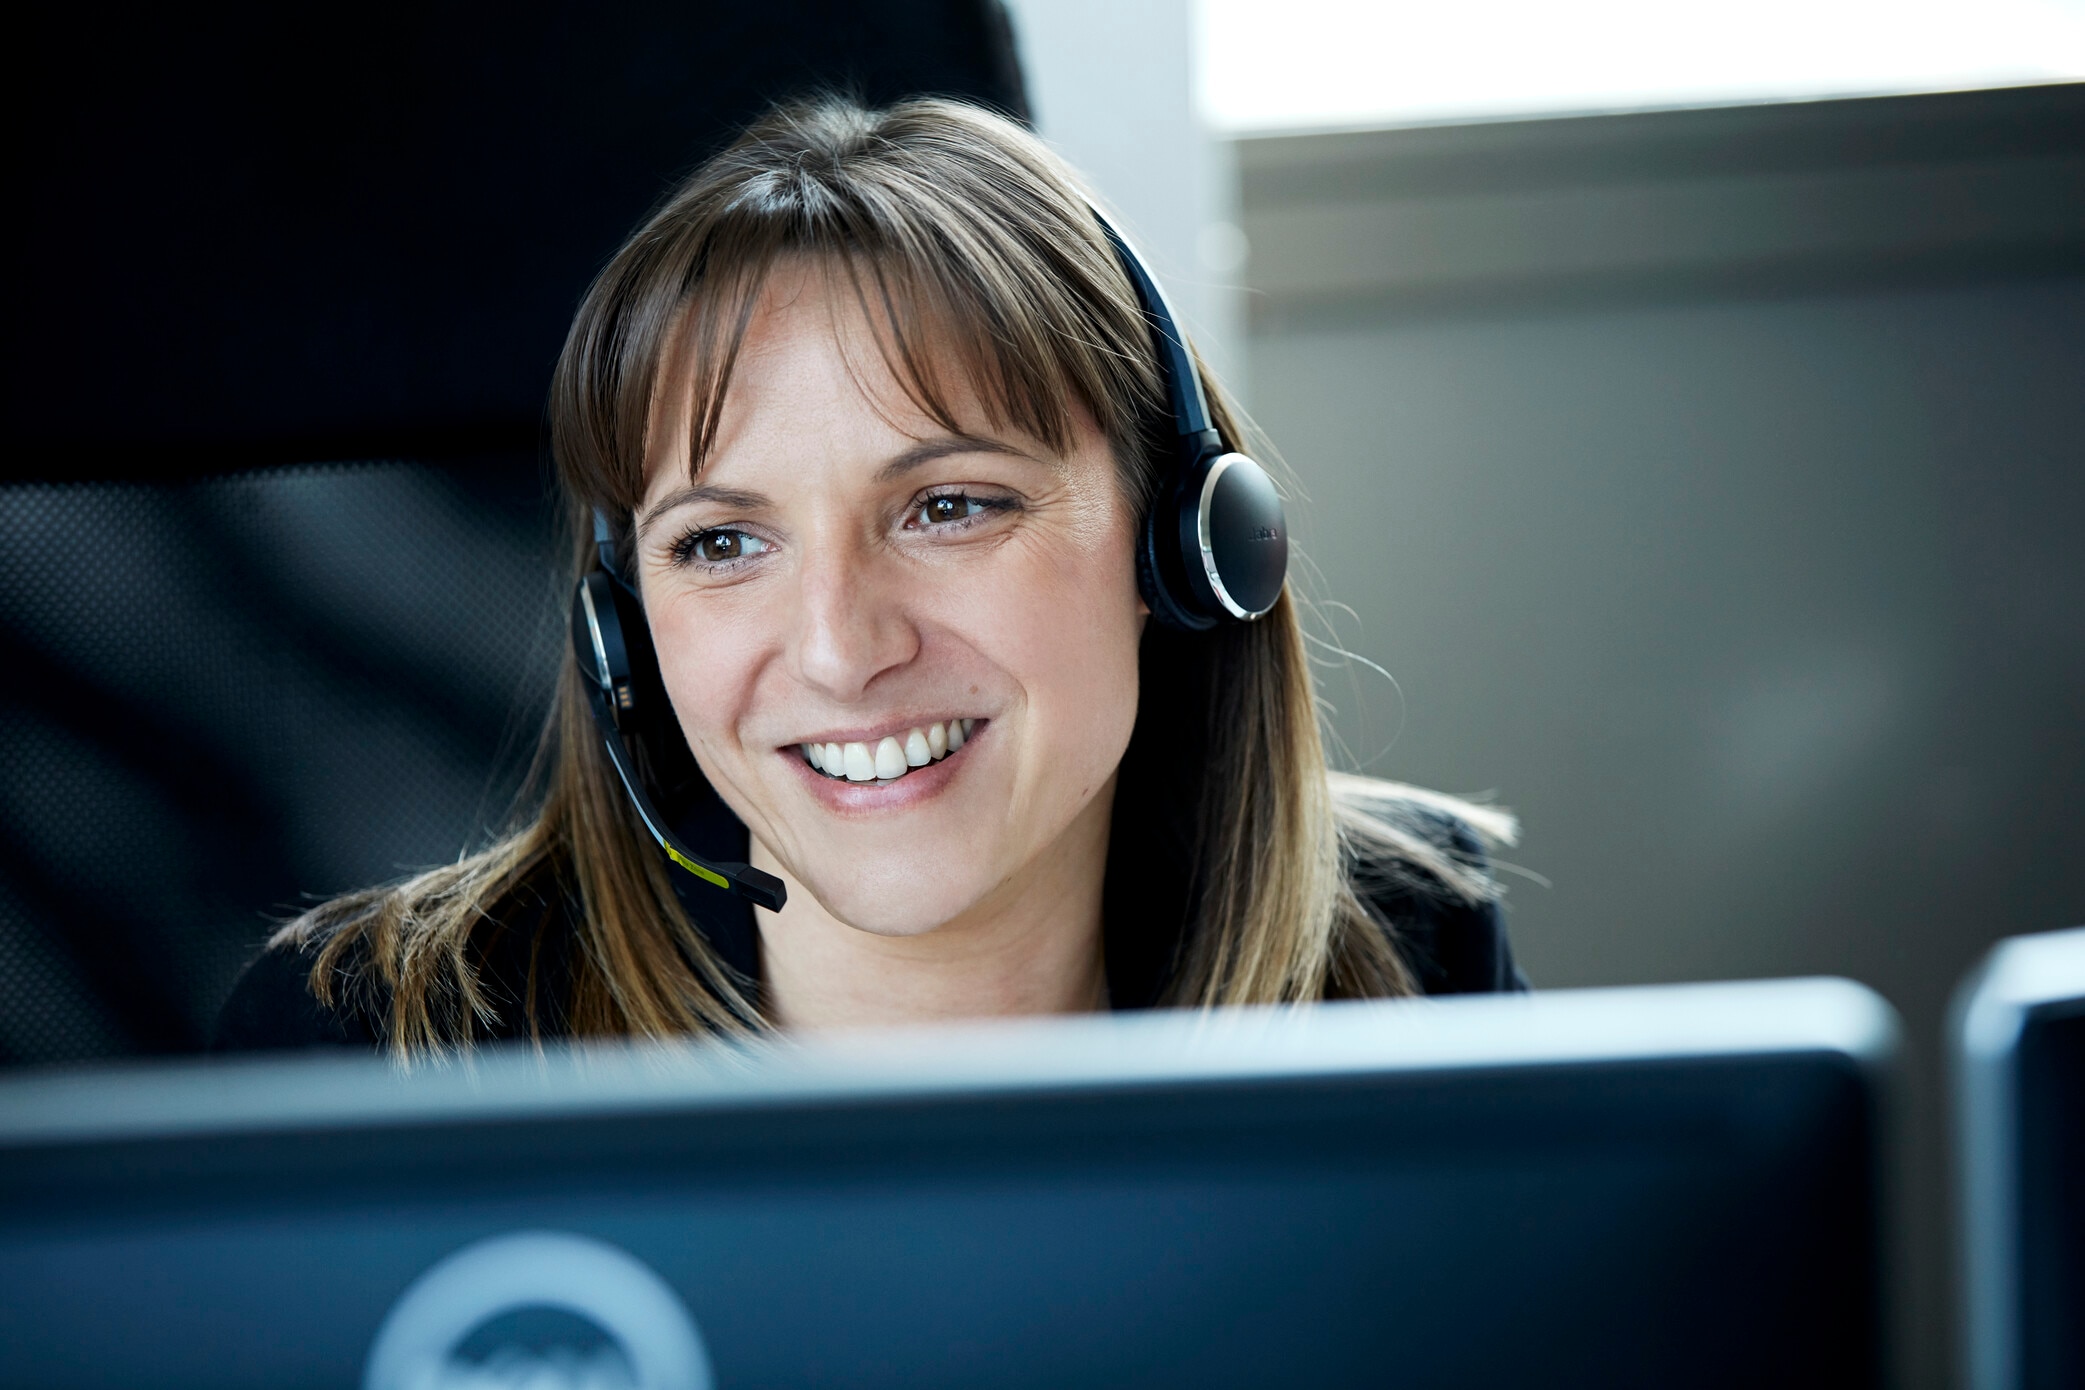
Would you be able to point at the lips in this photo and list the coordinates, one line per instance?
(890, 757)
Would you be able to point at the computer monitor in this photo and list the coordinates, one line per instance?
(2020, 1110)
(1646, 1187)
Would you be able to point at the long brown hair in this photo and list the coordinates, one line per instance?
(1238, 865)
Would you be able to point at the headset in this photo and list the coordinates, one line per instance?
(1214, 549)
(1215, 545)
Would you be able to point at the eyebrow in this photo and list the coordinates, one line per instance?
(924, 452)
(734, 499)
(927, 450)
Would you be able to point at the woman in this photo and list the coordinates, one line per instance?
(870, 412)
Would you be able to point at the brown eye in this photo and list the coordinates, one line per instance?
(721, 547)
(948, 507)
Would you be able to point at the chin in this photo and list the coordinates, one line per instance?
(883, 903)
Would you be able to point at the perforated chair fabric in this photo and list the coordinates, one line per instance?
(230, 695)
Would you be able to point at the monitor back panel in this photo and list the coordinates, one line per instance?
(2020, 1105)
(1652, 1222)
(2051, 1115)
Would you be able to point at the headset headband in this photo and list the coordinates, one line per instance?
(1183, 382)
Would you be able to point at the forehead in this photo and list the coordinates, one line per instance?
(811, 345)
(810, 359)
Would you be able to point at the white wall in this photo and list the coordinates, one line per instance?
(1294, 65)
(1112, 86)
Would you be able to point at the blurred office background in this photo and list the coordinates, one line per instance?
(1689, 403)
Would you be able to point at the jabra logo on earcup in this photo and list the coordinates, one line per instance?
(1265, 533)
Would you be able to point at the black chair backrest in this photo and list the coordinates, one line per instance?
(278, 612)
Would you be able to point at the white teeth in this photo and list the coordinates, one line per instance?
(892, 756)
(860, 766)
(890, 759)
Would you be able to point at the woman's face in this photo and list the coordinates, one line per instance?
(846, 575)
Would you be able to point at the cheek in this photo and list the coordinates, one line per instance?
(708, 659)
(1069, 632)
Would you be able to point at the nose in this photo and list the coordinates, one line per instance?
(851, 625)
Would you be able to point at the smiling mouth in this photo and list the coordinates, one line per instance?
(890, 757)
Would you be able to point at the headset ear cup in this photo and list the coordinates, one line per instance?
(597, 641)
(668, 759)
(1163, 598)
(1238, 537)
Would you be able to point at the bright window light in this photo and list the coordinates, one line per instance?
(1266, 66)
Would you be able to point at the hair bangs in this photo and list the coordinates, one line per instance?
(948, 335)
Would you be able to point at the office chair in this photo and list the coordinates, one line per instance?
(278, 604)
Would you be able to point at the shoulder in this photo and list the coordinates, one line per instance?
(516, 961)
(273, 1007)
(1420, 863)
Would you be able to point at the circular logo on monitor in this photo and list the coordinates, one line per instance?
(540, 1309)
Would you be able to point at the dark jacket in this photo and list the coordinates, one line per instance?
(1450, 947)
